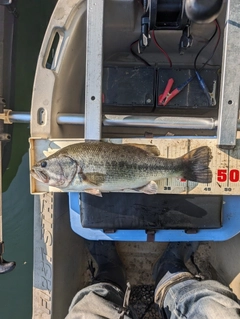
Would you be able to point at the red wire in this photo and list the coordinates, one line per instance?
(161, 49)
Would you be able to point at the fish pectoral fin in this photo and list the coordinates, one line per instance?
(95, 178)
(93, 191)
(151, 149)
(150, 188)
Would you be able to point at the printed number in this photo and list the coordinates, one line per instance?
(207, 188)
(167, 188)
(234, 175)
(227, 189)
(222, 175)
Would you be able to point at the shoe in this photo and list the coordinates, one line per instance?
(173, 259)
(110, 266)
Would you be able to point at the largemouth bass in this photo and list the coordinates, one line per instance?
(96, 166)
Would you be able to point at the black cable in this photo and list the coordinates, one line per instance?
(214, 50)
(155, 86)
(137, 56)
(197, 71)
(216, 45)
(202, 83)
(205, 45)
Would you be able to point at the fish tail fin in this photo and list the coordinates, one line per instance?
(196, 164)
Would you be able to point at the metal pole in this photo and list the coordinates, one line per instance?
(9, 117)
(93, 87)
(130, 121)
(20, 117)
(143, 121)
(161, 122)
(230, 78)
(65, 118)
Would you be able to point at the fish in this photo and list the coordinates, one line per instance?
(97, 166)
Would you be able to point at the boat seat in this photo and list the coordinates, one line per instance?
(168, 218)
(139, 211)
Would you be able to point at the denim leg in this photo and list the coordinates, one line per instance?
(101, 300)
(199, 300)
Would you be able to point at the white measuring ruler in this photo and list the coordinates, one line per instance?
(225, 164)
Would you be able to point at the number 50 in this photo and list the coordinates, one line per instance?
(222, 175)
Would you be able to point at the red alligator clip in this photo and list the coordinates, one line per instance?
(166, 96)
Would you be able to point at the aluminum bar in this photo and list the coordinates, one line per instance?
(230, 80)
(93, 87)
(64, 118)
(20, 117)
(131, 121)
(144, 121)
(161, 122)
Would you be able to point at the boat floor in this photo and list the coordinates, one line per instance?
(61, 261)
(139, 259)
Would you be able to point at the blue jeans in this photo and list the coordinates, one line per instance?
(191, 299)
(101, 300)
(196, 299)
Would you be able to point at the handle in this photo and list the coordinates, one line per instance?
(54, 50)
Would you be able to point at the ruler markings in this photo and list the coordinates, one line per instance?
(167, 157)
(228, 159)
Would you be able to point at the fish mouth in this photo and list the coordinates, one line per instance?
(39, 175)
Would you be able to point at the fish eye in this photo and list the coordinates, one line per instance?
(44, 164)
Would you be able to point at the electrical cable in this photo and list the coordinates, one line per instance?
(217, 29)
(161, 49)
(216, 45)
(136, 55)
(200, 79)
(197, 71)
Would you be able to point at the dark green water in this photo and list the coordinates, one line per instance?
(15, 293)
(16, 286)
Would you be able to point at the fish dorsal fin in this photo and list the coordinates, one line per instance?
(95, 192)
(151, 149)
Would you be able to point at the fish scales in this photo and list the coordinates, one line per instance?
(123, 163)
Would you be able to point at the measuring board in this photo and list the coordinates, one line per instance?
(225, 164)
